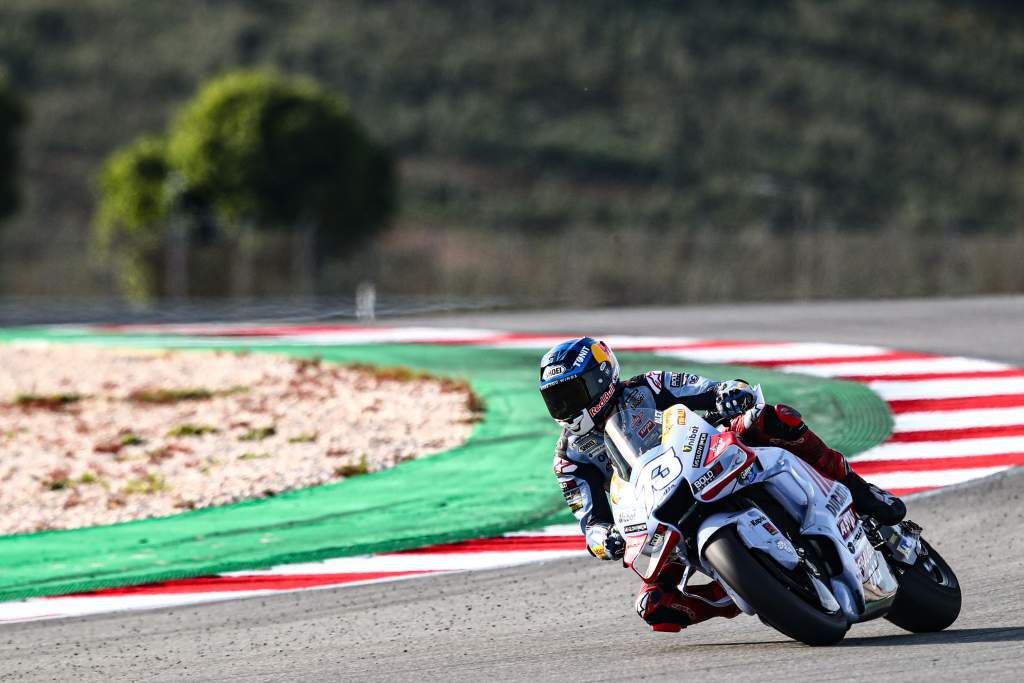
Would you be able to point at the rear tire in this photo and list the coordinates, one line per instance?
(929, 596)
(775, 604)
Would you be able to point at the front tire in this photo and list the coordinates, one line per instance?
(929, 596)
(776, 604)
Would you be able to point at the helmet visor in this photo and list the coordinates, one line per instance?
(567, 399)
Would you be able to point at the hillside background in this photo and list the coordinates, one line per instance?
(557, 152)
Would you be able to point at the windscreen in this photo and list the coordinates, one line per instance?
(629, 433)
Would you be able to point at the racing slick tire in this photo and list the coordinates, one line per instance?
(929, 596)
(775, 603)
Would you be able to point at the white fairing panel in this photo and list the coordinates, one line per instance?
(757, 532)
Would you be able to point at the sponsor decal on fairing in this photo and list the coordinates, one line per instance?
(702, 444)
(707, 478)
(838, 500)
(847, 523)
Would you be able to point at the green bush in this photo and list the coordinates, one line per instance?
(12, 117)
(254, 148)
(278, 151)
(131, 218)
(133, 189)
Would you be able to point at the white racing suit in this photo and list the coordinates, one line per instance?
(584, 470)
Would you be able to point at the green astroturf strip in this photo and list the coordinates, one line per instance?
(499, 480)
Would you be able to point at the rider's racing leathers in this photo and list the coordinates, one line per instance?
(582, 464)
(584, 470)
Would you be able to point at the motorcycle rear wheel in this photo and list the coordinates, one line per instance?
(929, 596)
(776, 605)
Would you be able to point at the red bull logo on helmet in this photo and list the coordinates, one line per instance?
(602, 401)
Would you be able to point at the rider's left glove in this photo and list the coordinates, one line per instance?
(605, 543)
(733, 397)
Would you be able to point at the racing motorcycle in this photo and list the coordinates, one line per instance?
(784, 541)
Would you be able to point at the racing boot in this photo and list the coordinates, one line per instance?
(662, 605)
(783, 426)
(873, 501)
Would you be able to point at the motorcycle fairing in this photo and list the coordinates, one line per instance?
(657, 548)
(650, 541)
(730, 457)
(866, 586)
(757, 532)
(683, 458)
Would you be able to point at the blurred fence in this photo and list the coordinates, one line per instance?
(637, 267)
(16, 311)
(421, 270)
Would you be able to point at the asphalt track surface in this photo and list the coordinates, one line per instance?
(573, 619)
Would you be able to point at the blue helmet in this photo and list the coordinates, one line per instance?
(578, 381)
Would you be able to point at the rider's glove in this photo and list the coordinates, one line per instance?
(604, 542)
(733, 397)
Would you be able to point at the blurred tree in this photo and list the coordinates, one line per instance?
(277, 152)
(12, 117)
(263, 152)
(132, 215)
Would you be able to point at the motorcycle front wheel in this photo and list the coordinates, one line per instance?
(785, 608)
(929, 596)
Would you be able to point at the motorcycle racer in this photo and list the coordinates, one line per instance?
(580, 385)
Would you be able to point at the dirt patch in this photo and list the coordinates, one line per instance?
(96, 436)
